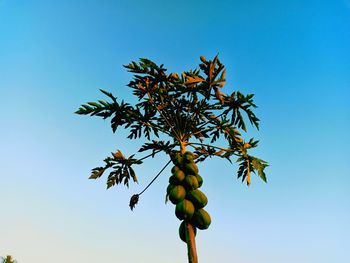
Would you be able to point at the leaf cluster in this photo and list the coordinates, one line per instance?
(189, 108)
(122, 170)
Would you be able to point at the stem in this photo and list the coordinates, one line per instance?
(155, 178)
(155, 152)
(154, 126)
(209, 129)
(209, 121)
(182, 147)
(248, 172)
(165, 119)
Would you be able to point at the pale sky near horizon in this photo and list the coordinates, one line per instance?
(55, 55)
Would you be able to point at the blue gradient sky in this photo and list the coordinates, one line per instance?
(54, 55)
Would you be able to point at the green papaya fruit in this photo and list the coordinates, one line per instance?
(174, 180)
(177, 160)
(188, 157)
(199, 179)
(177, 194)
(191, 182)
(174, 169)
(201, 219)
(184, 210)
(191, 168)
(198, 198)
(179, 175)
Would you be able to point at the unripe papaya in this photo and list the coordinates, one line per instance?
(168, 190)
(198, 198)
(174, 169)
(188, 153)
(199, 179)
(177, 160)
(188, 157)
(179, 175)
(191, 182)
(201, 219)
(174, 180)
(191, 168)
(184, 210)
(182, 231)
(177, 194)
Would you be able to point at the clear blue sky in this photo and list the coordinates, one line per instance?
(55, 55)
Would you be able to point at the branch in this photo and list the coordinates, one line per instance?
(152, 154)
(155, 178)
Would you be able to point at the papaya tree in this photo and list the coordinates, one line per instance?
(8, 259)
(188, 117)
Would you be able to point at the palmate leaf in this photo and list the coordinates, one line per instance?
(110, 95)
(212, 69)
(122, 170)
(244, 170)
(143, 128)
(144, 66)
(221, 128)
(121, 174)
(259, 166)
(237, 102)
(123, 113)
(97, 172)
(248, 164)
(157, 146)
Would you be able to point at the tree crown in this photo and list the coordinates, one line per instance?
(190, 108)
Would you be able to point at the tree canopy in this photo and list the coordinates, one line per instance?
(189, 108)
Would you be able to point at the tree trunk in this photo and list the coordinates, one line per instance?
(191, 244)
(190, 237)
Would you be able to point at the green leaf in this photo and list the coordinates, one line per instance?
(133, 175)
(97, 172)
(109, 95)
(80, 111)
(94, 104)
(259, 165)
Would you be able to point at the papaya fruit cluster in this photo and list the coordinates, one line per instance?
(183, 192)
